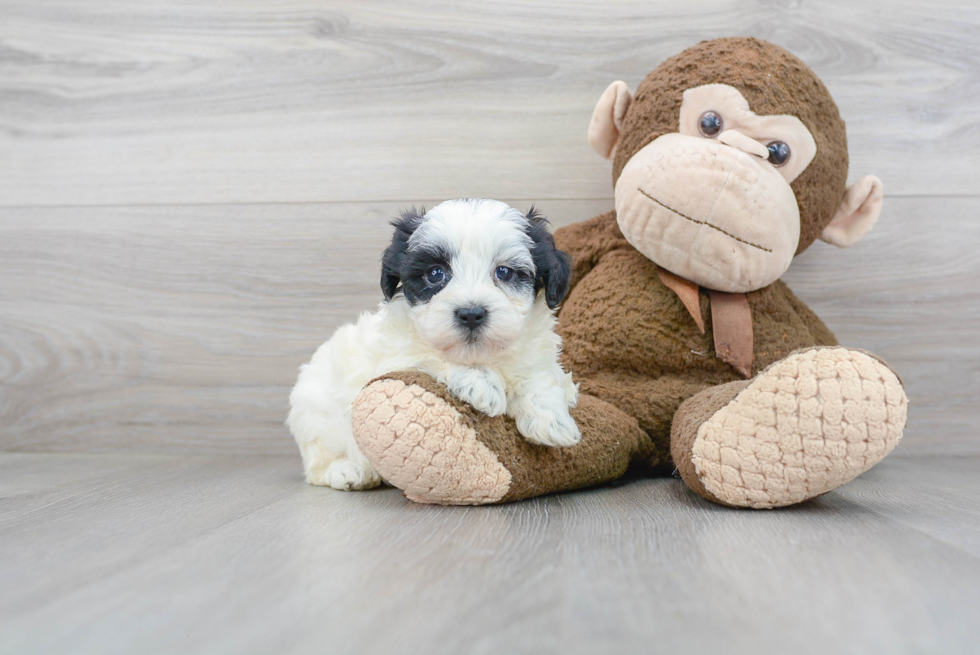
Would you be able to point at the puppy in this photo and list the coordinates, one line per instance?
(470, 290)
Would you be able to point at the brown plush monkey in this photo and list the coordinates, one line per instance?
(691, 354)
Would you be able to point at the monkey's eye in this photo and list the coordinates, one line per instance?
(503, 273)
(778, 153)
(435, 275)
(710, 124)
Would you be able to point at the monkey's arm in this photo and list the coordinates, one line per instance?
(588, 241)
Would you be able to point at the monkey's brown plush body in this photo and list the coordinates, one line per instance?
(689, 352)
(631, 342)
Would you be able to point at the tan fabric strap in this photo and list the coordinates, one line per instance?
(687, 291)
(731, 323)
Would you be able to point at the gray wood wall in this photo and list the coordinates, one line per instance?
(193, 195)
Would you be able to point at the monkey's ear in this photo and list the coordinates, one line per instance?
(607, 118)
(553, 267)
(857, 214)
(395, 253)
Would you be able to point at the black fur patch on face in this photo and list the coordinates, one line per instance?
(522, 281)
(417, 264)
(405, 270)
(393, 259)
(554, 267)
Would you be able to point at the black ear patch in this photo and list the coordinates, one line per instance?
(553, 267)
(395, 255)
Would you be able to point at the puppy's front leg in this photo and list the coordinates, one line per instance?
(540, 408)
(481, 387)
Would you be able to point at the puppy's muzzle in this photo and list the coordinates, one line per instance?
(471, 317)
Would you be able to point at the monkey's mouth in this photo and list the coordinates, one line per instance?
(705, 223)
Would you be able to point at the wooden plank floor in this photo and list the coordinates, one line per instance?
(158, 554)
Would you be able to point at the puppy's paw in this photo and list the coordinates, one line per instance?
(347, 475)
(548, 424)
(482, 388)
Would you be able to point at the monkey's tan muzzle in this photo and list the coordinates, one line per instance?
(708, 212)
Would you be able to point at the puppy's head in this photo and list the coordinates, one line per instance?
(471, 271)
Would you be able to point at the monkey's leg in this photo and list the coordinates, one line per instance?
(802, 427)
(653, 402)
(439, 450)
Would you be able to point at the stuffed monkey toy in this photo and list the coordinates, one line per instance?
(691, 354)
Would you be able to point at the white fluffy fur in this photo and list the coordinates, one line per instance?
(512, 368)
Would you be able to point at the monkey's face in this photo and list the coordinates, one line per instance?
(730, 160)
(712, 202)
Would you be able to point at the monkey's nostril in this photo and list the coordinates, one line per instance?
(471, 317)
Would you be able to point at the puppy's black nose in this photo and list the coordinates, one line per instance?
(471, 317)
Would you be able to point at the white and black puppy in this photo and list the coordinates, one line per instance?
(470, 291)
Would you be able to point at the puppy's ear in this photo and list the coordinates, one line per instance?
(394, 257)
(553, 267)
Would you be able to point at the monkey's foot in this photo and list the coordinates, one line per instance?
(437, 449)
(804, 426)
(422, 445)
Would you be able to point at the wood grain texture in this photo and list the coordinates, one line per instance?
(180, 329)
(124, 554)
(163, 270)
(118, 102)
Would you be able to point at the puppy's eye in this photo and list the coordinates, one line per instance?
(435, 275)
(710, 124)
(503, 273)
(778, 153)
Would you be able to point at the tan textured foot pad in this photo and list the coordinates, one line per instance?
(420, 444)
(804, 426)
